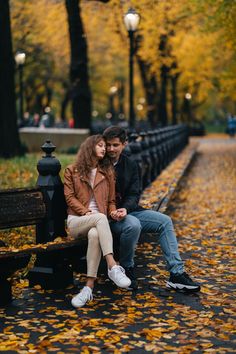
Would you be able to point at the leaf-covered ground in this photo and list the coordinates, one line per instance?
(153, 319)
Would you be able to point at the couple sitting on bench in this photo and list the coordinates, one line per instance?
(102, 191)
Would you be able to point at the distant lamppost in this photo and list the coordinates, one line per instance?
(112, 92)
(188, 98)
(131, 20)
(20, 61)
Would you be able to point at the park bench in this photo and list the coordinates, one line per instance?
(44, 206)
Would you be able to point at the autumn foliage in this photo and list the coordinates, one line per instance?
(154, 319)
(184, 46)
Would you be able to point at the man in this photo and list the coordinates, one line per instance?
(132, 219)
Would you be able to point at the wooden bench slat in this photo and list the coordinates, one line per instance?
(19, 207)
(39, 248)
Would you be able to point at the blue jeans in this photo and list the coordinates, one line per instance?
(147, 221)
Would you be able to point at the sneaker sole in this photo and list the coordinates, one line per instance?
(125, 286)
(78, 306)
(178, 286)
(119, 286)
(132, 288)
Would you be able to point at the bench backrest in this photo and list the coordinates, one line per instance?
(20, 207)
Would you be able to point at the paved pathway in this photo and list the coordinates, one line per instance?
(153, 319)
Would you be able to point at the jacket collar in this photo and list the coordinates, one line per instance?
(100, 175)
(121, 158)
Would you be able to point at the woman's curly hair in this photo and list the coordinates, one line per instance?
(86, 157)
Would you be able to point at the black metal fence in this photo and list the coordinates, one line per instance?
(154, 150)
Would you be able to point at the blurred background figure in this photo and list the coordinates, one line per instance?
(47, 119)
(231, 125)
(36, 119)
(71, 123)
(27, 120)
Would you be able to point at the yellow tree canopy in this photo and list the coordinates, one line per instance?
(200, 37)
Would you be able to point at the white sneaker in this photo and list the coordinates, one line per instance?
(84, 295)
(117, 275)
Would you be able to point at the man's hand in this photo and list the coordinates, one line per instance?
(121, 212)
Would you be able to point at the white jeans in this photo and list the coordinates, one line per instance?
(100, 240)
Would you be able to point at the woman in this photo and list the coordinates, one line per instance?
(89, 188)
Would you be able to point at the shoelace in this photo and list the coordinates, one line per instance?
(187, 276)
(85, 295)
(122, 274)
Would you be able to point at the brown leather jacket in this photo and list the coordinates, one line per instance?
(78, 191)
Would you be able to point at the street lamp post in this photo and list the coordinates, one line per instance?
(112, 92)
(20, 60)
(131, 20)
(188, 98)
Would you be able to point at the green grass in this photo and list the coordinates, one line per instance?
(213, 128)
(21, 172)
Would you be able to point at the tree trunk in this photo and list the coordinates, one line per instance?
(121, 96)
(64, 104)
(150, 88)
(9, 136)
(174, 76)
(162, 107)
(80, 89)
(174, 99)
(149, 84)
(49, 94)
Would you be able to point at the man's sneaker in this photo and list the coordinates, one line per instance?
(80, 299)
(182, 282)
(131, 275)
(117, 275)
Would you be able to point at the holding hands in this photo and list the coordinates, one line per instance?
(118, 214)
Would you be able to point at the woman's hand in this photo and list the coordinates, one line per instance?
(90, 212)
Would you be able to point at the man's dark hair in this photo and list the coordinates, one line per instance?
(115, 132)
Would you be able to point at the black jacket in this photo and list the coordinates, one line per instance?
(127, 184)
